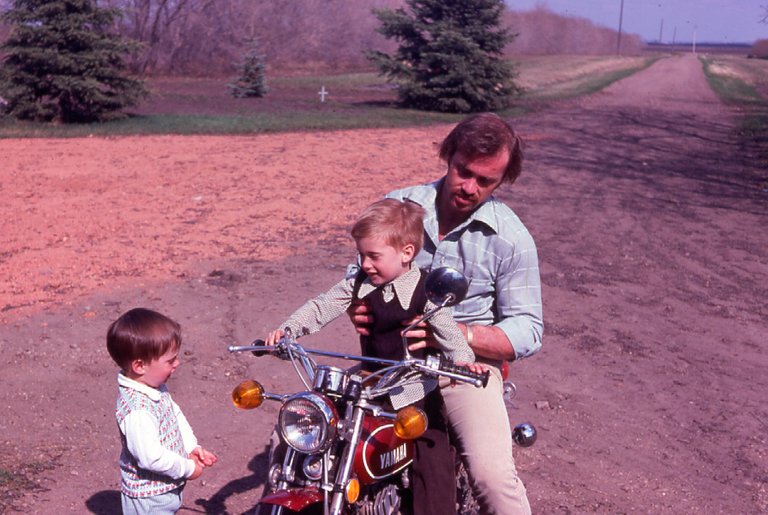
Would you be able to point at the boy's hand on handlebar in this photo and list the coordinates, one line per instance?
(274, 336)
(361, 315)
(477, 368)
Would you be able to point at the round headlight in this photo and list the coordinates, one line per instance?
(308, 422)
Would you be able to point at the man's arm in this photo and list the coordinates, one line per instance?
(490, 342)
(487, 341)
(518, 303)
(518, 327)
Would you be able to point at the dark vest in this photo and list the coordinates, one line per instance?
(385, 340)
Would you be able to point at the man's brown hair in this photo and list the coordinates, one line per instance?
(397, 223)
(485, 135)
(141, 334)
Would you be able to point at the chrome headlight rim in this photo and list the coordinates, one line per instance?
(322, 409)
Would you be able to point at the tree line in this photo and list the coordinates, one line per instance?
(67, 60)
(209, 37)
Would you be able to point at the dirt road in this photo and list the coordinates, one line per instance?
(650, 224)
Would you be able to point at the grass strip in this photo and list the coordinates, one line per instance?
(302, 116)
(753, 122)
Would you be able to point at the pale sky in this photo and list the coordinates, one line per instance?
(716, 21)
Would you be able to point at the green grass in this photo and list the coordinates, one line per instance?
(731, 89)
(15, 484)
(337, 119)
(742, 90)
(586, 82)
(359, 100)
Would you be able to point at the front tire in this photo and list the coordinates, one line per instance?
(466, 503)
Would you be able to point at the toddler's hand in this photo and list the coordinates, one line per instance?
(198, 469)
(203, 457)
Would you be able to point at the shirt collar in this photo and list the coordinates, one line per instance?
(485, 213)
(404, 286)
(153, 393)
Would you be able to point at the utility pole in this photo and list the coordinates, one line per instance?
(694, 39)
(661, 30)
(621, 19)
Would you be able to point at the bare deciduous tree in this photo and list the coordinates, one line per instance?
(205, 37)
(541, 31)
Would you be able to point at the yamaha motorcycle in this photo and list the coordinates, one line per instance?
(340, 448)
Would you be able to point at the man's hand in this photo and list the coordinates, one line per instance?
(361, 315)
(420, 337)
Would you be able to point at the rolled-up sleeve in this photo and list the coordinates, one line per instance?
(518, 297)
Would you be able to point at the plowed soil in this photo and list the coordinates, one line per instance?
(650, 220)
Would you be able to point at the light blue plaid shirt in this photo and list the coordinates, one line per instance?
(496, 253)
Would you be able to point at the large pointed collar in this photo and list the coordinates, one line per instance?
(404, 286)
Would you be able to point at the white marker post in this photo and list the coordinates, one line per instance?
(323, 93)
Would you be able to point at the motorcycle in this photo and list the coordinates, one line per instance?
(342, 448)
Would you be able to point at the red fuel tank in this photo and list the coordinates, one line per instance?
(380, 452)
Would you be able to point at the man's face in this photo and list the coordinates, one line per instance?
(470, 182)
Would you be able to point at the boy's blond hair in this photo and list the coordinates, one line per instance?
(397, 223)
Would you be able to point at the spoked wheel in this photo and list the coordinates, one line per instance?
(465, 498)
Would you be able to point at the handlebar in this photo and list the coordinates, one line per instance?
(437, 365)
(446, 367)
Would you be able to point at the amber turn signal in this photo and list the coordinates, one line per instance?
(410, 423)
(352, 491)
(248, 395)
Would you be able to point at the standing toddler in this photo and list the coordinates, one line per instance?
(159, 449)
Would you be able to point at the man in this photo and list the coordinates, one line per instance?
(467, 229)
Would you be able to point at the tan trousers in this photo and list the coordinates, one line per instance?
(479, 420)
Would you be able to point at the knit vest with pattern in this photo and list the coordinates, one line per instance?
(385, 340)
(136, 481)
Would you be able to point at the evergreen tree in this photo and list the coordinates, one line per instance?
(63, 64)
(252, 81)
(450, 55)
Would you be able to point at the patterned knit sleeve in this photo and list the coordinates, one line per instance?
(187, 434)
(322, 310)
(448, 335)
(143, 442)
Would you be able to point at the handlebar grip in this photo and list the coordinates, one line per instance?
(448, 366)
(259, 353)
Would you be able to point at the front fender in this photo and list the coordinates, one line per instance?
(295, 499)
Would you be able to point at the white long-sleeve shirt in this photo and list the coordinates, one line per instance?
(142, 435)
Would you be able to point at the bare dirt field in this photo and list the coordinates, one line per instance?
(650, 220)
